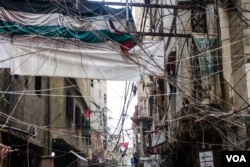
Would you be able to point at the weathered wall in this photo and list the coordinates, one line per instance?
(5, 82)
(28, 106)
(236, 36)
(225, 51)
(240, 85)
(240, 47)
(61, 125)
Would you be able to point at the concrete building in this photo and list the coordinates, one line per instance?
(54, 119)
(48, 115)
(205, 88)
(197, 108)
(16, 110)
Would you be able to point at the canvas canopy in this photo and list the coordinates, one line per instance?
(90, 41)
(90, 22)
(60, 58)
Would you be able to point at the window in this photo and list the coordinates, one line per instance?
(78, 118)
(105, 98)
(170, 66)
(26, 83)
(38, 85)
(104, 144)
(69, 106)
(92, 83)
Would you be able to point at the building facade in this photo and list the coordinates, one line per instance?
(205, 89)
(51, 118)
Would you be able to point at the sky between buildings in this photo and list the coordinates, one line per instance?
(115, 102)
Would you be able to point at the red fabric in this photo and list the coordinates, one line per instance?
(123, 147)
(126, 46)
(88, 113)
(124, 144)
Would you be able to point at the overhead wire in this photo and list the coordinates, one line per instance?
(12, 110)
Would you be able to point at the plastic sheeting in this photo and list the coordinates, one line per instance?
(205, 43)
(54, 59)
(4, 53)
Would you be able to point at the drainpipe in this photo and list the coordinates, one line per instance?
(220, 59)
(11, 95)
(47, 120)
(141, 138)
(136, 149)
(77, 4)
(127, 16)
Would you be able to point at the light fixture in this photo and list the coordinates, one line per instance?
(53, 154)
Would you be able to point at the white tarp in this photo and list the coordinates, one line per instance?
(46, 61)
(4, 52)
(38, 57)
(151, 55)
